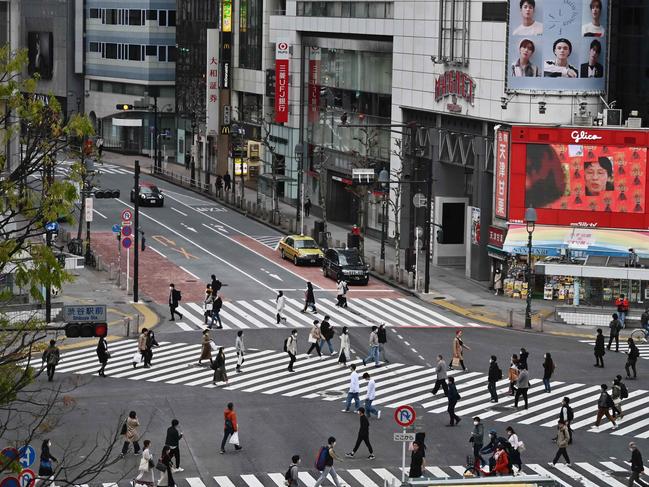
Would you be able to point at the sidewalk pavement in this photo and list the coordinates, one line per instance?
(449, 288)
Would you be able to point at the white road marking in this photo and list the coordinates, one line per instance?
(184, 326)
(157, 251)
(190, 273)
(100, 214)
(178, 211)
(191, 229)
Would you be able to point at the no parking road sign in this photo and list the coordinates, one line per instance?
(27, 478)
(404, 415)
(127, 215)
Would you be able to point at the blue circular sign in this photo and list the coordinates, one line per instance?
(10, 482)
(126, 231)
(117, 228)
(27, 456)
(126, 242)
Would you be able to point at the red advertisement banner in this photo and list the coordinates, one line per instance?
(502, 172)
(281, 90)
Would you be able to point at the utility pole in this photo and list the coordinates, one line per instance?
(136, 220)
(156, 162)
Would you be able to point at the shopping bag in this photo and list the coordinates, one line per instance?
(213, 346)
(234, 439)
(208, 306)
(312, 339)
(137, 357)
(455, 362)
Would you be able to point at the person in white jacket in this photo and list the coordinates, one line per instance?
(240, 348)
(345, 347)
(280, 304)
(146, 472)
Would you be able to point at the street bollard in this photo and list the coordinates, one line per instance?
(137, 323)
(372, 262)
(390, 271)
(511, 319)
(404, 276)
(411, 279)
(382, 266)
(127, 325)
(130, 286)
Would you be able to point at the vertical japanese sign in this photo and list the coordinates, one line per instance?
(226, 20)
(281, 81)
(314, 84)
(502, 170)
(212, 75)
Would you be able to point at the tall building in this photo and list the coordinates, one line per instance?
(130, 54)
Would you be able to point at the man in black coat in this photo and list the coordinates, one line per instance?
(174, 297)
(215, 285)
(599, 349)
(636, 464)
(363, 435)
(326, 333)
(383, 339)
(615, 326)
(495, 374)
(172, 441)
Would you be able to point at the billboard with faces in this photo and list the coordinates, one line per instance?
(557, 45)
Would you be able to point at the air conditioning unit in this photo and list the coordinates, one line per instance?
(634, 122)
(613, 117)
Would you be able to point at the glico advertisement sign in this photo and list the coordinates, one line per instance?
(557, 45)
(580, 176)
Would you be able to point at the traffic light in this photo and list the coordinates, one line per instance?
(106, 193)
(440, 236)
(86, 330)
(123, 106)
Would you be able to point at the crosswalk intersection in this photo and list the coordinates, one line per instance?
(624, 347)
(177, 364)
(63, 168)
(593, 474)
(363, 312)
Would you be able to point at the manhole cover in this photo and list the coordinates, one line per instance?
(439, 297)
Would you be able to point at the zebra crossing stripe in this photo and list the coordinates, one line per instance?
(385, 474)
(574, 475)
(360, 476)
(627, 405)
(251, 481)
(438, 472)
(195, 482)
(573, 394)
(542, 400)
(223, 481)
(544, 471)
(601, 474)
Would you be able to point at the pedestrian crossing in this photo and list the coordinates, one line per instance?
(25, 315)
(589, 474)
(62, 168)
(327, 380)
(362, 312)
(624, 347)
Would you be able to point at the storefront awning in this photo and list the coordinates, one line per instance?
(584, 241)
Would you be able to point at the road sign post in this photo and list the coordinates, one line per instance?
(27, 478)
(404, 416)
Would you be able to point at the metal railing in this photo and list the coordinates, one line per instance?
(529, 480)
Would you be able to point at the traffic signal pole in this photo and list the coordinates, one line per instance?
(136, 220)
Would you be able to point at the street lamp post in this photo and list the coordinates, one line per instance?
(530, 222)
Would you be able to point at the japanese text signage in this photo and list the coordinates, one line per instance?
(226, 24)
(502, 171)
(314, 84)
(212, 73)
(455, 83)
(281, 81)
(496, 237)
(85, 314)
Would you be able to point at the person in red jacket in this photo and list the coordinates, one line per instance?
(502, 461)
(229, 427)
(622, 304)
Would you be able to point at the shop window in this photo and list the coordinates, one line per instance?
(152, 15)
(130, 89)
(94, 47)
(494, 11)
(95, 13)
(454, 32)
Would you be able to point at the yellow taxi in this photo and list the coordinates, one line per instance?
(300, 249)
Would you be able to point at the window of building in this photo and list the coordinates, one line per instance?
(346, 9)
(152, 15)
(359, 10)
(162, 18)
(171, 54)
(110, 16)
(251, 107)
(162, 53)
(334, 9)
(171, 18)
(135, 17)
(250, 33)
(376, 10)
(111, 51)
(300, 9)
(454, 31)
(135, 52)
(494, 11)
(151, 50)
(95, 13)
(94, 47)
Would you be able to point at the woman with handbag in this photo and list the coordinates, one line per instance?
(230, 428)
(164, 465)
(206, 347)
(345, 347)
(131, 433)
(46, 468)
(103, 355)
(218, 364)
(458, 352)
(208, 305)
(513, 374)
(314, 338)
(146, 469)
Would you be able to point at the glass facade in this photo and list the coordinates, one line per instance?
(361, 10)
(250, 33)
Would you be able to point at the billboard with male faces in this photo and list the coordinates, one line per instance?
(557, 45)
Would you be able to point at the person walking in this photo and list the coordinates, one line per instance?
(513, 374)
(522, 386)
(566, 415)
(146, 469)
(309, 298)
(363, 435)
(292, 474)
(341, 293)
(227, 180)
(354, 389)
(637, 466)
(477, 440)
(498, 282)
(149, 344)
(522, 359)
(208, 306)
(307, 207)
(383, 340)
(614, 334)
(417, 461)
(563, 440)
(453, 398)
(102, 355)
(240, 348)
(616, 395)
(314, 338)
(206, 347)
(218, 365)
(599, 349)
(458, 352)
(326, 334)
(345, 347)
(441, 374)
(230, 428)
(215, 285)
(604, 403)
(370, 396)
(517, 447)
(141, 348)
(548, 370)
(51, 357)
(291, 349)
(329, 464)
(167, 478)
(622, 304)
(173, 442)
(631, 359)
(174, 298)
(493, 376)
(280, 304)
(46, 464)
(216, 312)
(373, 353)
(131, 434)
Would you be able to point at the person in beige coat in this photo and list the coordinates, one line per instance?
(563, 439)
(314, 338)
(458, 351)
(206, 347)
(141, 347)
(131, 434)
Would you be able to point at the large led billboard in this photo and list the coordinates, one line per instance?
(577, 176)
(557, 45)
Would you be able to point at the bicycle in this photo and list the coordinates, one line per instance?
(91, 259)
(471, 469)
(75, 246)
(641, 335)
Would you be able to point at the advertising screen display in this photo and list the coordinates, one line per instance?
(557, 45)
(584, 177)
(40, 54)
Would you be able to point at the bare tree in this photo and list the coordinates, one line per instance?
(395, 202)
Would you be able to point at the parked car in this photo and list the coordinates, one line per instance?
(300, 249)
(345, 264)
(149, 195)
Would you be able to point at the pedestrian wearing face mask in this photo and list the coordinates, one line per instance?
(46, 467)
(495, 374)
(637, 467)
(477, 439)
(563, 440)
(548, 370)
(174, 298)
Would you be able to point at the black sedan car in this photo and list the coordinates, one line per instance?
(346, 264)
(149, 195)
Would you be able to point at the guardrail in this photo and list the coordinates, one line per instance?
(519, 480)
(183, 180)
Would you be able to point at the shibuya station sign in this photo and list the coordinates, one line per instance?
(455, 84)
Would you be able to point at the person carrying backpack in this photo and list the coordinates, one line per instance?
(51, 358)
(619, 391)
(290, 347)
(495, 374)
(292, 474)
(216, 285)
(632, 357)
(566, 415)
(604, 403)
(325, 463)
(383, 339)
